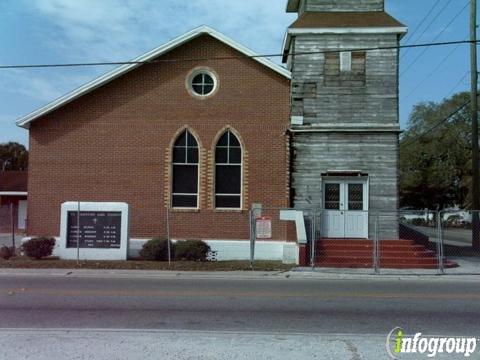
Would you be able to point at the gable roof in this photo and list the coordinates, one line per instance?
(13, 181)
(121, 70)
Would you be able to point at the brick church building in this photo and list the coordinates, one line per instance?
(205, 128)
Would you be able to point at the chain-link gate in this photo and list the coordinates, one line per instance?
(344, 241)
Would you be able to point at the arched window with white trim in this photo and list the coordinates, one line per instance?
(185, 171)
(228, 172)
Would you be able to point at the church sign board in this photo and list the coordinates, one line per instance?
(94, 231)
(98, 229)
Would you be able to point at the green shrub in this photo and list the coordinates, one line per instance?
(156, 250)
(6, 252)
(191, 250)
(418, 222)
(38, 248)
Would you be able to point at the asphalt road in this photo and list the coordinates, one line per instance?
(342, 318)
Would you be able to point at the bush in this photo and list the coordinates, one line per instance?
(6, 252)
(38, 248)
(192, 250)
(156, 250)
(418, 222)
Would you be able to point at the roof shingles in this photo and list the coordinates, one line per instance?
(345, 20)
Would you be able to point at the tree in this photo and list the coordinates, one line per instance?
(435, 160)
(13, 156)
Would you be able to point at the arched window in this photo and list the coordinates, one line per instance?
(228, 172)
(185, 171)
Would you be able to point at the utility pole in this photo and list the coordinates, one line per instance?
(475, 146)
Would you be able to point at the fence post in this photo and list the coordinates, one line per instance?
(313, 239)
(168, 237)
(376, 248)
(252, 236)
(78, 232)
(12, 221)
(441, 269)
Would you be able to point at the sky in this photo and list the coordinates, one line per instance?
(65, 31)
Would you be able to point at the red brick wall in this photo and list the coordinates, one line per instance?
(114, 144)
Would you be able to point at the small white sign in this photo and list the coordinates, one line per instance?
(264, 227)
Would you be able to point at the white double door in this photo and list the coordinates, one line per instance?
(346, 209)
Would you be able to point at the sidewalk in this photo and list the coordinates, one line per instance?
(295, 274)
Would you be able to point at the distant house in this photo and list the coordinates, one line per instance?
(13, 193)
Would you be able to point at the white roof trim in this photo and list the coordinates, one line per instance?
(350, 30)
(13, 193)
(353, 30)
(121, 70)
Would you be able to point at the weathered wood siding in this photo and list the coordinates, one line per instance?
(370, 100)
(342, 5)
(364, 102)
(375, 154)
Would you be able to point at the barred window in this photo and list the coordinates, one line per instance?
(228, 172)
(185, 171)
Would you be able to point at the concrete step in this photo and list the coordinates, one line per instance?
(421, 253)
(369, 248)
(358, 253)
(367, 265)
(364, 241)
(383, 260)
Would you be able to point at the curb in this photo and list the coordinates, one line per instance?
(298, 274)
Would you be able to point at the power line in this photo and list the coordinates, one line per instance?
(458, 84)
(441, 122)
(133, 62)
(436, 2)
(432, 72)
(436, 37)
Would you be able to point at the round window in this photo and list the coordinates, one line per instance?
(202, 83)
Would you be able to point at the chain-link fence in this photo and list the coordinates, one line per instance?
(344, 240)
(416, 249)
(403, 242)
(395, 242)
(459, 231)
(258, 234)
(12, 225)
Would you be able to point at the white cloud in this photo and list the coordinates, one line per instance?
(42, 87)
(121, 29)
(116, 30)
